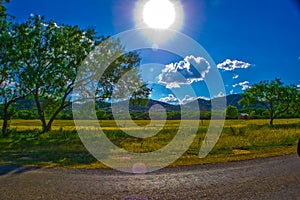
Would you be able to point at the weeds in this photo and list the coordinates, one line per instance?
(62, 147)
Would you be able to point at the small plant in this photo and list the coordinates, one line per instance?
(62, 147)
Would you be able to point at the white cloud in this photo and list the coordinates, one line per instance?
(231, 65)
(187, 99)
(171, 99)
(244, 85)
(205, 98)
(231, 92)
(235, 76)
(221, 94)
(191, 69)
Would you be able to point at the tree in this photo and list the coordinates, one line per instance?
(272, 95)
(53, 55)
(11, 84)
(231, 112)
(295, 105)
(5, 73)
(2, 8)
(101, 114)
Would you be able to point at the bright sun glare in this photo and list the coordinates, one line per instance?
(159, 14)
(156, 18)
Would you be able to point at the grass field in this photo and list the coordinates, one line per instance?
(62, 147)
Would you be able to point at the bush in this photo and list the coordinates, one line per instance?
(25, 114)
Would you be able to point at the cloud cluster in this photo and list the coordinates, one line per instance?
(231, 65)
(244, 85)
(171, 99)
(187, 99)
(191, 69)
(221, 94)
(235, 76)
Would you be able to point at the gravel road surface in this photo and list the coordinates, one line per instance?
(270, 178)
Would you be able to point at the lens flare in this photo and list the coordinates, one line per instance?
(95, 139)
(159, 14)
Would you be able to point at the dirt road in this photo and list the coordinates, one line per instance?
(271, 178)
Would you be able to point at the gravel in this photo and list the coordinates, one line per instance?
(269, 178)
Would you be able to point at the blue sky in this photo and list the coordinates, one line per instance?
(249, 41)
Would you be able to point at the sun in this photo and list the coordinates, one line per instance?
(158, 19)
(159, 14)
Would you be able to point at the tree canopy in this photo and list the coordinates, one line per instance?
(232, 112)
(2, 8)
(272, 95)
(41, 59)
(12, 88)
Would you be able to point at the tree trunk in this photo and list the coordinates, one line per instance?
(271, 121)
(5, 121)
(271, 116)
(40, 112)
(6, 117)
(49, 125)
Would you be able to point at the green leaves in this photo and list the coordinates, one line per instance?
(50, 57)
(273, 95)
(41, 59)
(2, 8)
(231, 112)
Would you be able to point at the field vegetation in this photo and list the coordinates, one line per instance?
(62, 147)
(39, 74)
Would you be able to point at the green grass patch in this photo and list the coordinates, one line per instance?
(62, 147)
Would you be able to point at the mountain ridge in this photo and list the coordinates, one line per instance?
(204, 105)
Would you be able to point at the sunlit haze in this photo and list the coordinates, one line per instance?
(159, 14)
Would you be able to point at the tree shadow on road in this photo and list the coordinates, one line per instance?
(14, 169)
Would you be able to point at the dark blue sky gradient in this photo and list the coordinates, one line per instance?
(264, 33)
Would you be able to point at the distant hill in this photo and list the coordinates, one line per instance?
(233, 99)
(123, 105)
(204, 105)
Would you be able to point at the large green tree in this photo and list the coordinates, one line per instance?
(11, 87)
(232, 112)
(272, 95)
(295, 105)
(53, 55)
